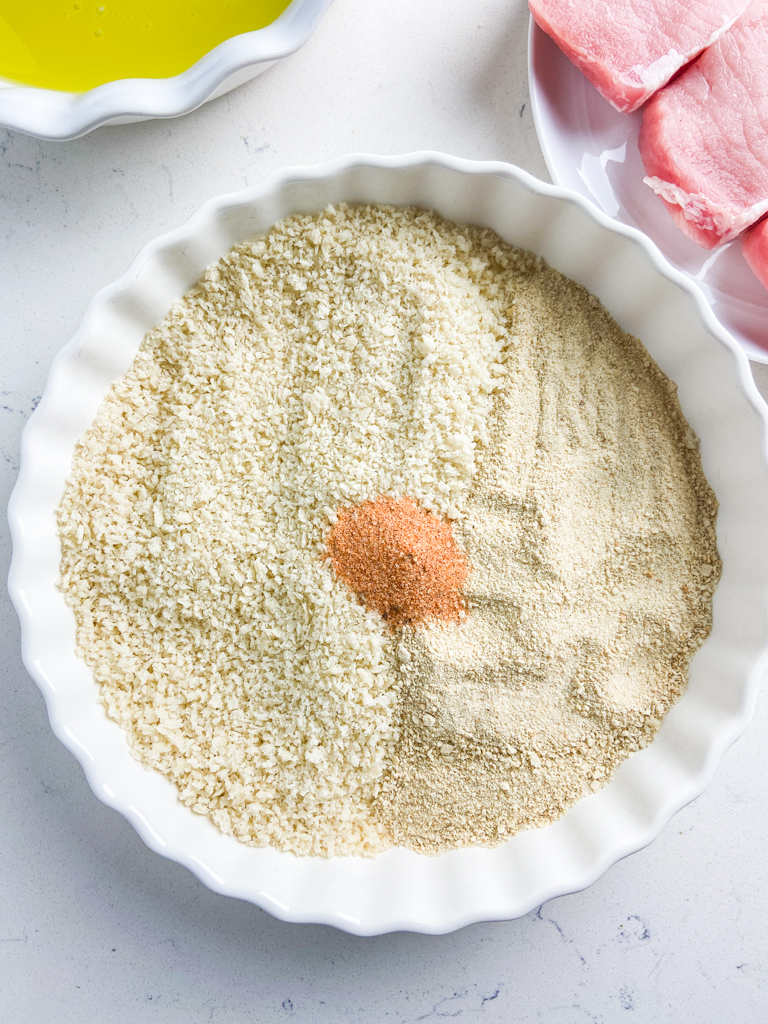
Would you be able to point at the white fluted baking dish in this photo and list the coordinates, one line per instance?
(400, 889)
(50, 114)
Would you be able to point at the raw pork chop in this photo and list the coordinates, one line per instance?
(754, 245)
(704, 141)
(628, 49)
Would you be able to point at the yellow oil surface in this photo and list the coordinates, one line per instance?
(75, 45)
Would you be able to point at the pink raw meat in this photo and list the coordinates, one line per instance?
(704, 141)
(754, 245)
(628, 49)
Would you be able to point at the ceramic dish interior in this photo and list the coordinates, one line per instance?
(400, 889)
(48, 114)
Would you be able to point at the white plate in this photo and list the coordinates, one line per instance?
(401, 889)
(591, 148)
(50, 114)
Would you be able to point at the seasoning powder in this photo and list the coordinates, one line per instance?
(349, 386)
(401, 560)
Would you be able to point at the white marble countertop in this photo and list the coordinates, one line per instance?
(95, 927)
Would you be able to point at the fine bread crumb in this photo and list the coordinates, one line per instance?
(589, 525)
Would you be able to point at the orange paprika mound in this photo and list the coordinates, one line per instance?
(401, 560)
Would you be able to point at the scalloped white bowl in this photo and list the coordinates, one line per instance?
(401, 890)
(50, 114)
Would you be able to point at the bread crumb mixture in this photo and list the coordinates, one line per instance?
(374, 354)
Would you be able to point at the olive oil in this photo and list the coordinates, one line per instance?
(74, 45)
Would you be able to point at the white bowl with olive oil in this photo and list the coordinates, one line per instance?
(67, 68)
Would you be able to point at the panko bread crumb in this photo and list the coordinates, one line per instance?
(344, 355)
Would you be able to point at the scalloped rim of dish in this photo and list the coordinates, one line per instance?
(57, 116)
(398, 890)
